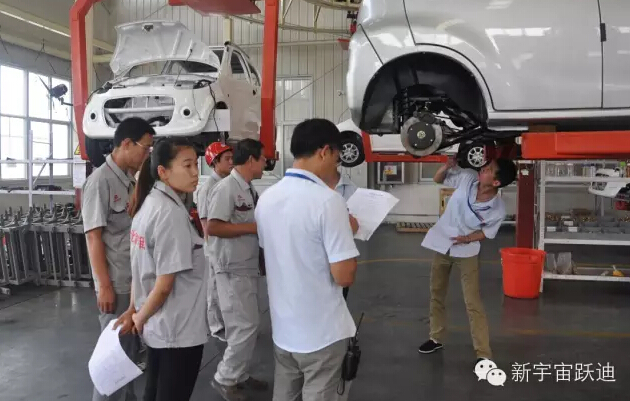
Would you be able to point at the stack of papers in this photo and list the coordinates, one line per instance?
(110, 367)
(370, 207)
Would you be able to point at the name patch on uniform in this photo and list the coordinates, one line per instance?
(241, 204)
(137, 239)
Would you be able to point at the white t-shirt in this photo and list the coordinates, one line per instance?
(303, 227)
(464, 215)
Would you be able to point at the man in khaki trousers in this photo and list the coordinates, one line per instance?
(474, 212)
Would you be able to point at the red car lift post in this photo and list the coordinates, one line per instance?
(79, 10)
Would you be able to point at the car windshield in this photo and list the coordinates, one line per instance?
(169, 68)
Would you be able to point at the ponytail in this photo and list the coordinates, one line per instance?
(144, 185)
(164, 151)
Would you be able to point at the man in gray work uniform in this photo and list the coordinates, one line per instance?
(219, 158)
(107, 224)
(234, 247)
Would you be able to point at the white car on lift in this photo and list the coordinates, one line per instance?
(494, 68)
(180, 85)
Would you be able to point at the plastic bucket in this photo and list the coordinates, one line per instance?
(522, 272)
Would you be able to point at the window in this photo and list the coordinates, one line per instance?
(12, 146)
(294, 100)
(255, 77)
(61, 112)
(41, 146)
(12, 91)
(38, 99)
(25, 105)
(238, 67)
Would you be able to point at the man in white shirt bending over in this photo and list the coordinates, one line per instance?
(310, 255)
(473, 214)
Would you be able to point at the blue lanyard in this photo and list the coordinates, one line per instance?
(483, 223)
(298, 175)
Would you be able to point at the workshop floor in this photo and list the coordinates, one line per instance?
(47, 334)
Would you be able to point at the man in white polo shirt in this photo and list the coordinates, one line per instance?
(473, 214)
(310, 255)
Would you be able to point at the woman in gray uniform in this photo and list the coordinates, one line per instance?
(169, 273)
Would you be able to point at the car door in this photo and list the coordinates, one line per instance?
(241, 96)
(532, 54)
(616, 20)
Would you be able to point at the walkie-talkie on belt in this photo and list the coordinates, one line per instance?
(351, 359)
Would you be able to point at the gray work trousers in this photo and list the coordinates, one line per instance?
(310, 377)
(238, 299)
(130, 344)
(215, 318)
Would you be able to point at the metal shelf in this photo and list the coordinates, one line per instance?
(569, 238)
(587, 239)
(583, 277)
(38, 161)
(585, 179)
(36, 192)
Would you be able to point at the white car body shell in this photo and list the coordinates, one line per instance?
(187, 100)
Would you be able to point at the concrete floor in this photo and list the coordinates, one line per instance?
(47, 334)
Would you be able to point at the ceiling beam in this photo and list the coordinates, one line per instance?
(35, 46)
(47, 25)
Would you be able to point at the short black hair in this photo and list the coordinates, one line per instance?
(245, 148)
(133, 128)
(506, 172)
(313, 134)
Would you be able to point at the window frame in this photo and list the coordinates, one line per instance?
(282, 121)
(51, 121)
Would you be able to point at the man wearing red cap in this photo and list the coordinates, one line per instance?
(219, 158)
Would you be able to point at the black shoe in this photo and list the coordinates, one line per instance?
(429, 347)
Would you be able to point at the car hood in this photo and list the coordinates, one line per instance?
(149, 41)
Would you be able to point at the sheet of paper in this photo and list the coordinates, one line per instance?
(370, 207)
(110, 367)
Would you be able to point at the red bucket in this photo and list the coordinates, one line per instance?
(522, 272)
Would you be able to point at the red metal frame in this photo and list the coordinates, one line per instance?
(79, 10)
(268, 90)
(228, 7)
(576, 145)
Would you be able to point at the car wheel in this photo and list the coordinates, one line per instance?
(472, 155)
(94, 152)
(352, 153)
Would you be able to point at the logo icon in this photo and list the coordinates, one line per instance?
(487, 370)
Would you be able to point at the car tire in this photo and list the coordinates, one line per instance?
(472, 155)
(94, 152)
(352, 152)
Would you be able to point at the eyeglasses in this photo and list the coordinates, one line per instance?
(145, 147)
